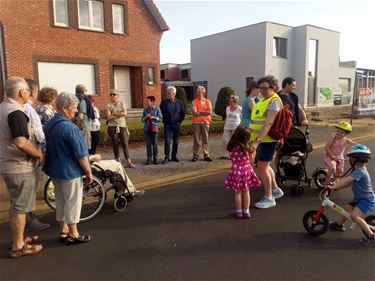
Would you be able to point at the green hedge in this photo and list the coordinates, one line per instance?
(137, 135)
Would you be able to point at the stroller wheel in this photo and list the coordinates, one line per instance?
(280, 180)
(297, 190)
(120, 203)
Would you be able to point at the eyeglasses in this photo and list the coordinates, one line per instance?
(25, 90)
(112, 94)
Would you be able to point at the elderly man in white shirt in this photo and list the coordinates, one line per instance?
(33, 223)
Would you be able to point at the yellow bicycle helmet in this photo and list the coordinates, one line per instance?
(343, 125)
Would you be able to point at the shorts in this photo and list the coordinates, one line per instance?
(334, 164)
(265, 151)
(21, 188)
(364, 204)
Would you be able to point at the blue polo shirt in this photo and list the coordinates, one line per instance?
(65, 146)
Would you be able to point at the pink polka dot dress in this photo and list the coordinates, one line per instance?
(241, 175)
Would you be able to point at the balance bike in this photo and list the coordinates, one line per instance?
(316, 222)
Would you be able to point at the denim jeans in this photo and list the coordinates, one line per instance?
(168, 130)
(151, 140)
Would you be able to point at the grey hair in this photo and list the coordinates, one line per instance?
(66, 99)
(13, 85)
(201, 87)
(80, 88)
(172, 88)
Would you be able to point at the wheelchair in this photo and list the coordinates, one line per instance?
(94, 194)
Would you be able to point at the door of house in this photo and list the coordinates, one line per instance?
(122, 84)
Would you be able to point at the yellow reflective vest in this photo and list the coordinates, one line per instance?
(258, 117)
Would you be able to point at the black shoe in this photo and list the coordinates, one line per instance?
(166, 160)
(175, 159)
(208, 159)
(148, 162)
(195, 158)
(156, 162)
(36, 225)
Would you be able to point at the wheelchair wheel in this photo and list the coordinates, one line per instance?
(120, 203)
(317, 229)
(320, 178)
(93, 197)
(49, 194)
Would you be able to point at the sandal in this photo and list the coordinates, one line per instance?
(27, 239)
(26, 250)
(77, 240)
(63, 237)
(131, 165)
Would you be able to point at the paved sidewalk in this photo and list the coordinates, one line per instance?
(152, 176)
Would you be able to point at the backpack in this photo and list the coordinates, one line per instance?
(282, 124)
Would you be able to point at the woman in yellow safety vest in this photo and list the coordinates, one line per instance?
(262, 118)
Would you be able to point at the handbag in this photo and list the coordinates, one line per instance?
(154, 129)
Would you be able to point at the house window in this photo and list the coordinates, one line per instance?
(60, 12)
(279, 47)
(151, 76)
(91, 15)
(184, 74)
(162, 74)
(118, 19)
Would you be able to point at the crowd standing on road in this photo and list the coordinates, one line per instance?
(32, 129)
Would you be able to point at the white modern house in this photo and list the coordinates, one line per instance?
(310, 54)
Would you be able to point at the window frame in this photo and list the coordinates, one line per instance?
(90, 16)
(277, 47)
(60, 24)
(123, 19)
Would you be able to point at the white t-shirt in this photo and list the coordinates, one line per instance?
(233, 118)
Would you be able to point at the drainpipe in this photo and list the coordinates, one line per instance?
(2, 57)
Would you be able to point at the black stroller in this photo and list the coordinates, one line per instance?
(291, 164)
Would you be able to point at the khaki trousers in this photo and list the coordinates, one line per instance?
(201, 135)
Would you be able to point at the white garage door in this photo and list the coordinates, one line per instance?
(65, 76)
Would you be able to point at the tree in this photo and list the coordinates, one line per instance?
(223, 101)
(181, 95)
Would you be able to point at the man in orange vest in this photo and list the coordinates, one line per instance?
(202, 110)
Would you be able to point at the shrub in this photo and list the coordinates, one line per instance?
(181, 95)
(223, 101)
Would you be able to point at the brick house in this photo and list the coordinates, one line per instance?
(102, 44)
(178, 75)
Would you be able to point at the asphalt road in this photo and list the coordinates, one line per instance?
(185, 231)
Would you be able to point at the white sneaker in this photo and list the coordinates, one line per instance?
(277, 193)
(265, 203)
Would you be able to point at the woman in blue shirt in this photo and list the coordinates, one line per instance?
(248, 103)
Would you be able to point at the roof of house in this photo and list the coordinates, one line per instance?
(157, 15)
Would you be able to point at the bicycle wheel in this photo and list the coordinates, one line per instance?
(320, 178)
(93, 197)
(49, 194)
(315, 229)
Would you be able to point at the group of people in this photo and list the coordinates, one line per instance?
(38, 134)
(251, 137)
(254, 121)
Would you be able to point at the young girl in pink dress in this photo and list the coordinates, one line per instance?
(334, 150)
(241, 175)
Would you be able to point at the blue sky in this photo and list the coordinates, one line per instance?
(354, 19)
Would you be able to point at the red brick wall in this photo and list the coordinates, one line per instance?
(29, 37)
